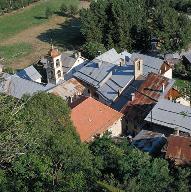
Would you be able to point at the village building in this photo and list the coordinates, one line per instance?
(60, 67)
(186, 57)
(149, 141)
(30, 73)
(18, 87)
(179, 150)
(168, 117)
(92, 119)
(143, 100)
(70, 90)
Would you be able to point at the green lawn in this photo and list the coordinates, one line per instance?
(21, 20)
(11, 52)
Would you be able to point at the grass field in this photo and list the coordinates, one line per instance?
(18, 21)
(11, 52)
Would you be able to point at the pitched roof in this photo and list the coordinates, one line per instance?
(67, 62)
(147, 96)
(29, 73)
(149, 141)
(67, 89)
(107, 78)
(91, 117)
(172, 115)
(150, 64)
(17, 87)
(188, 56)
(179, 147)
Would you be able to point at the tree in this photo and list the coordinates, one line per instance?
(48, 12)
(93, 49)
(73, 9)
(115, 23)
(64, 9)
(42, 151)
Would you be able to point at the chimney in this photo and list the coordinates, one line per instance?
(99, 64)
(76, 55)
(163, 88)
(132, 96)
(79, 54)
(177, 131)
(122, 62)
(138, 63)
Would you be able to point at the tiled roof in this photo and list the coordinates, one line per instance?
(179, 148)
(188, 56)
(147, 95)
(91, 117)
(172, 115)
(67, 62)
(29, 73)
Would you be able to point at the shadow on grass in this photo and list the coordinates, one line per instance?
(40, 18)
(66, 36)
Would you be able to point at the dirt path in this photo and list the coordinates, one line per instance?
(31, 35)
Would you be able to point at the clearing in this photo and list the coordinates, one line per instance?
(23, 43)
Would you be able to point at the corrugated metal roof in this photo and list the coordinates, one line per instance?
(179, 148)
(67, 89)
(29, 73)
(17, 87)
(172, 115)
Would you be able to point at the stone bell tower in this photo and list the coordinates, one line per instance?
(54, 68)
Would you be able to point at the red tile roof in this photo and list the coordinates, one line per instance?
(54, 53)
(91, 117)
(146, 96)
(179, 149)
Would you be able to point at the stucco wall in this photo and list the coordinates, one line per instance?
(168, 74)
(116, 128)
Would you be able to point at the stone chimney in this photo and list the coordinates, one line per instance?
(121, 62)
(79, 54)
(138, 63)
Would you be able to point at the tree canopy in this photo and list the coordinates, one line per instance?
(41, 151)
(132, 24)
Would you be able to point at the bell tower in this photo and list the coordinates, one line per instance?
(54, 66)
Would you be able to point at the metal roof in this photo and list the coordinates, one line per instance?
(17, 87)
(179, 148)
(67, 62)
(68, 89)
(188, 56)
(29, 73)
(172, 115)
(149, 141)
(106, 77)
(150, 64)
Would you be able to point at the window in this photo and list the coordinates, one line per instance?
(57, 63)
(51, 74)
(59, 73)
(139, 65)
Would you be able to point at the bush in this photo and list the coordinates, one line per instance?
(73, 9)
(64, 9)
(48, 12)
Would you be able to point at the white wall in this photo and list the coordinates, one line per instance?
(168, 74)
(116, 128)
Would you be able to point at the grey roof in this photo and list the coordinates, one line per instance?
(106, 77)
(29, 73)
(188, 56)
(149, 141)
(17, 87)
(110, 56)
(150, 64)
(126, 95)
(172, 115)
(67, 62)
